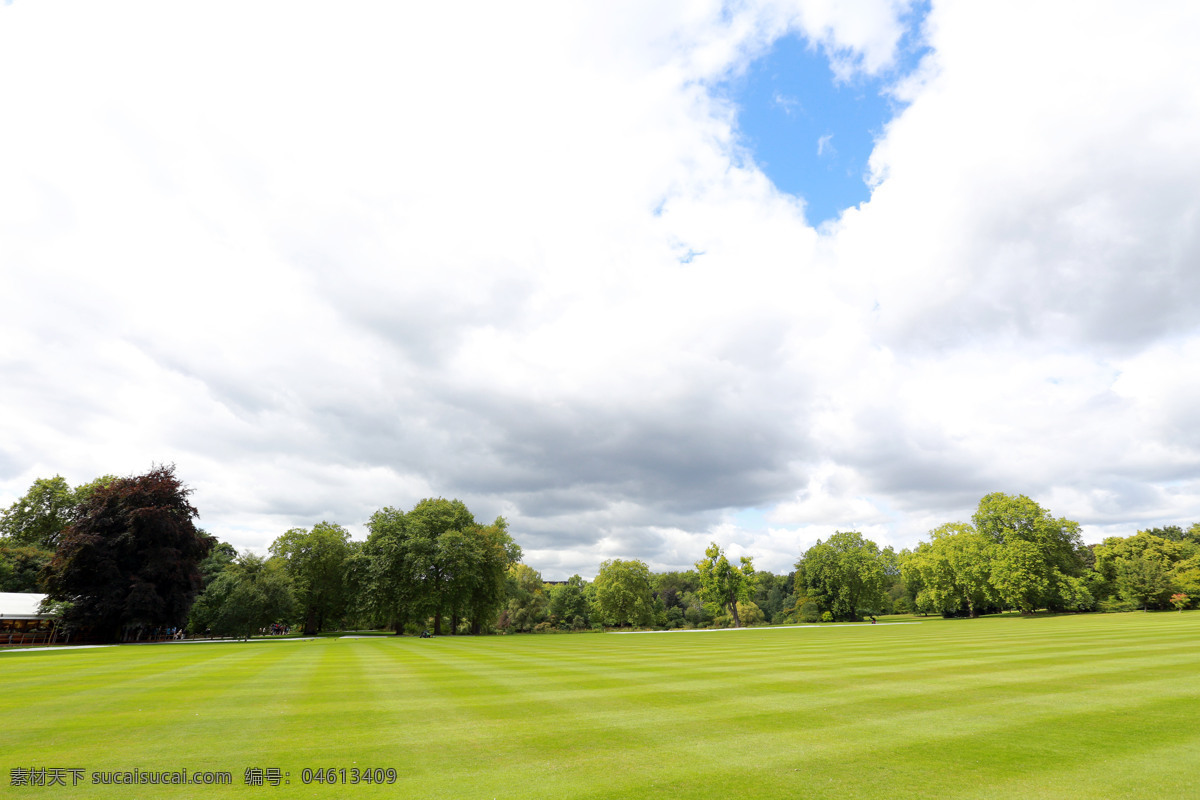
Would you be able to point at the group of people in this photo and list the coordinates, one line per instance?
(157, 633)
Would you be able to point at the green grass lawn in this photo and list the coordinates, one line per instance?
(1090, 706)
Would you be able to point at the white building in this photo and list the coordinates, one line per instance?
(21, 620)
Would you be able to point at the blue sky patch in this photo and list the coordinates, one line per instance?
(751, 519)
(810, 134)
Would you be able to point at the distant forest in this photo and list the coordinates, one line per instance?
(121, 556)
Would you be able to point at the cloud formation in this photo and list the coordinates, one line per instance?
(329, 260)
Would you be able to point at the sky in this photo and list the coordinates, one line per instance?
(637, 276)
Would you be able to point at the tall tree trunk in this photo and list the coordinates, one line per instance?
(437, 624)
(737, 622)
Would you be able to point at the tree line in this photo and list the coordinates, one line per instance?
(119, 555)
(1015, 555)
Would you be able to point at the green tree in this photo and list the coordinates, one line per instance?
(528, 603)
(496, 552)
(40, 516)
(435, 561)
(85, 490)
(1144, 568)
(893, 580)
(22, 567)
(675, 583)
(695, 614)
(844, 575)
(1052, 551)
(1020, 576)
(248, 596)
(568, 603)
(912, 571)
(1074, 593)
(316, 560)
(673, 588)
(31, 528)
(955, 570)
(769, 593)
(359, 608)
(411, 575)
(750, 613)
(1175, 533)
(1185, 576)
(623, 594)
(130, 557)
(1144, 579)
(723, 585)
(1144, 543)
(433, 572)
(383, 568)
(928, 568)
(217, 561)
(473, 566)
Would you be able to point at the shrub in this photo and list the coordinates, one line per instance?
(1116, 605)
(751, 614)
(827, 617)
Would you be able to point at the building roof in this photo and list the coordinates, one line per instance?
(21, 605)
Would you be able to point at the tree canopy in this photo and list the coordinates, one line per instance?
(249, 595)
(436, 561)
(953, 570)
(123, 553)
(623, 592)
(722, 584)
(130, 556)
(316, 560)
(844, 575)
(39, 517)
(22, 567)
(569, 603)
(1039, 558)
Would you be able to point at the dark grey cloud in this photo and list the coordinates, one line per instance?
(702, 451)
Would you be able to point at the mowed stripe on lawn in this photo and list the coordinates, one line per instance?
(1075, 706)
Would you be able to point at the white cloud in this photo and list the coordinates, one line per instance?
(330, 259)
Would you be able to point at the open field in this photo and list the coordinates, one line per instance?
(1090, 706)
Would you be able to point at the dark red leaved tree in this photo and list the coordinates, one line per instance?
(130, 557)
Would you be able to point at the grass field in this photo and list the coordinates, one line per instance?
(1090, 706)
